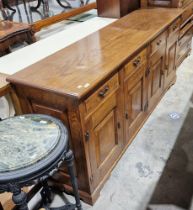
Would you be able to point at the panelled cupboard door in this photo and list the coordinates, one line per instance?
(170, 68)
(105, 132)
(135, 91)
(156, 77)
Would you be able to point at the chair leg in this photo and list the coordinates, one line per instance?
(6, 4)
(64, 6)
(1, 207)
(36, 7)
(69, 159)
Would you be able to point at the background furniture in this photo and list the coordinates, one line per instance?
(11, 33)
(39, 147)
(116, 8)
(165, 3)
(64, 15)
(5, 4)
(185, 37)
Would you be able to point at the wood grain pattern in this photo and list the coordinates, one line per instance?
(77, 69)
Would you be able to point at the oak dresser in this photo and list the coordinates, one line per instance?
(103, 88)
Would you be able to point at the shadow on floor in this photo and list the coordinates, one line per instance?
(176, 183)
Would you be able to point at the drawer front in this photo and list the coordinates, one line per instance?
(101, 94)
(186, 28)
(183, 51)
(187, 36)
(174, 28)
(157, 43)
(186, 14)
(135, 63)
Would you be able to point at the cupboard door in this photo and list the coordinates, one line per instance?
(105, 137)
(135, 91)
(170, 68)
(155, 78)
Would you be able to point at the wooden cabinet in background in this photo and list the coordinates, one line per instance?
(116, 8)
(165, 3)
(183, 46)
(185, 38)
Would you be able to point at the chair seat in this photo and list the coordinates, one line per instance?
(9, 29)
(12, 32)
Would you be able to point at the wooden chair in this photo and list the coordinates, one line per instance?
(12, 32)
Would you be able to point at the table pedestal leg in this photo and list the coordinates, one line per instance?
(70, 165)
(20, 199)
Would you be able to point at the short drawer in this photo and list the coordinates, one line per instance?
(101, 94)
(187, 14)
(183, 51)
(174, 27)
(135, 63)
(186, 28)
(186, 37)
(158, 42)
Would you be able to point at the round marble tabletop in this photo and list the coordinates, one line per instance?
(25, 140)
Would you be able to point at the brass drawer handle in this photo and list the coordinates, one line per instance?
(137, 62)
(159, 42)
(174, 27)
(103, 92)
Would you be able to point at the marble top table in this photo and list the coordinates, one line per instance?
(32, 148)
(29, 143)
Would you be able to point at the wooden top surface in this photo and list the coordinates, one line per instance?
(77, 69)
(4, 86)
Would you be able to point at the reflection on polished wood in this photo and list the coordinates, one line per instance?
(57, 18)
(48, 13)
